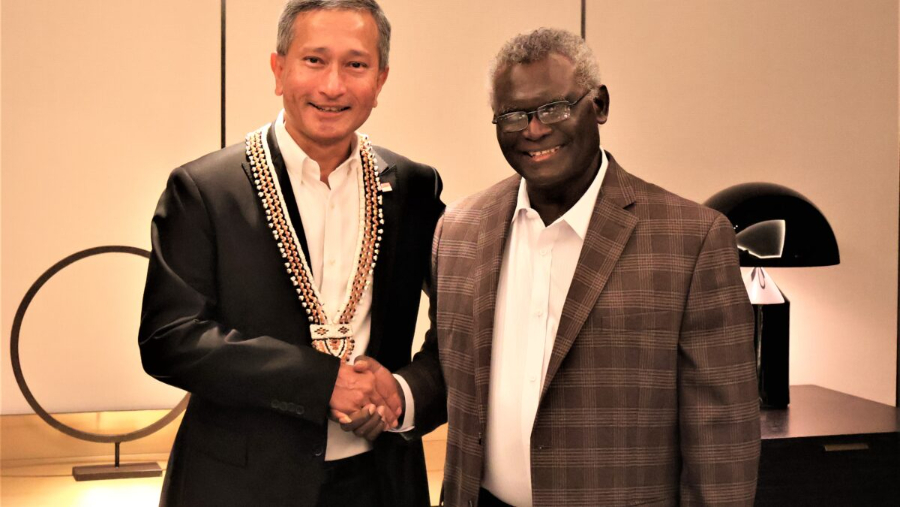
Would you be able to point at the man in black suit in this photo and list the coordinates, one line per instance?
(276, 263)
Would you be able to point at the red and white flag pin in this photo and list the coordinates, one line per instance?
(386, 187)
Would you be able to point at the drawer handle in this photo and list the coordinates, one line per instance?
(860, 446)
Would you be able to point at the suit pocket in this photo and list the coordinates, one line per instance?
(219, 443)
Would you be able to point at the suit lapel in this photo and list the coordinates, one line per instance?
(492, 234)
(287, 190)
(384, 268)
(608, 233)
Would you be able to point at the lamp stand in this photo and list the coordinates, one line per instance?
(771, 340)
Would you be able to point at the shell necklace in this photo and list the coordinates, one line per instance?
(334, 335)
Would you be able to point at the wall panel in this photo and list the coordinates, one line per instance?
(706, 94)
(101, 100)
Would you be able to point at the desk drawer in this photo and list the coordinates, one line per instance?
(852, 470)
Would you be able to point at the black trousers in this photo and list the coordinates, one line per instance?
(351, 482)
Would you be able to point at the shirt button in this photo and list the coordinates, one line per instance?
(545, 252)
(331, 262)
(539, 313)
(533, 378)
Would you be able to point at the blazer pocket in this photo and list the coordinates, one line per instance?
(219, 443)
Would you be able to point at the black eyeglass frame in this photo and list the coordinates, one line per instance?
(539, 111)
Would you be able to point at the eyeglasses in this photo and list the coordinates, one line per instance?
(553, 112)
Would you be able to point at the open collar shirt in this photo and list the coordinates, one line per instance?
(538, 265)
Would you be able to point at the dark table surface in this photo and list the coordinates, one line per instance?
(815, 411)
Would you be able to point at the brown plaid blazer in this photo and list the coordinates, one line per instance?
(650, 396)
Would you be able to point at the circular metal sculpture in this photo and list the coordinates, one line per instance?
(92, 472)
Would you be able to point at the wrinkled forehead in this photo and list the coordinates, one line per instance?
(529, 85)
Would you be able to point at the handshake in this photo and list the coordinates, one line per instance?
(366, 399)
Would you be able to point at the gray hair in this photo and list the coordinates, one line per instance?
(537, 45)
(295, 7)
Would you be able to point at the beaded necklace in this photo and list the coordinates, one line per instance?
(333, 336)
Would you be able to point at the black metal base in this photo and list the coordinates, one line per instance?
(126, 471)
(773, 359)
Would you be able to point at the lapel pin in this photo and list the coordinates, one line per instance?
(386, 187)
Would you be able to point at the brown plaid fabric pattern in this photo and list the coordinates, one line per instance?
(650, 396)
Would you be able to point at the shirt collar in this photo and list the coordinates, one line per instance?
(579, 216)
(295, 159)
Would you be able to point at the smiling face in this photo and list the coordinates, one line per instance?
(557, 160)
(329, 78)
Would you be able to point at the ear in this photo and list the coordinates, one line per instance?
(601, 105)
(382, 77)
(276, 61)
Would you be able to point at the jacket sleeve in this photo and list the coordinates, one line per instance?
(182, 339)
(424, 375)
(717, 389)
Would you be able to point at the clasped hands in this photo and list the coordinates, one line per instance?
(366, 399)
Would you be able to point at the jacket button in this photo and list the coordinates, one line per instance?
(276, 404)
(318, 450)
(299, 410)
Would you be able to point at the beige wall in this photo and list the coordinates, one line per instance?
(100, 100)
(707, 94)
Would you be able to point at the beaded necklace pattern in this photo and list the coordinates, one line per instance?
(333, 336)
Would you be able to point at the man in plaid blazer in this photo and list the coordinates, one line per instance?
(592, 339)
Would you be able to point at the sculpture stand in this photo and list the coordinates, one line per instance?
(92, 472)
(116, 471)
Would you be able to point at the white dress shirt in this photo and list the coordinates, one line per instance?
(538, 264)
(330, 219)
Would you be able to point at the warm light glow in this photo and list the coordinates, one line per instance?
(119, 492)
(761, 288)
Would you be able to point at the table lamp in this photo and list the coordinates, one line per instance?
(775, 227)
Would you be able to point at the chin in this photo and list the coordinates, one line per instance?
(538, 180)
(545, 184)
(541, 170)
(330, 134)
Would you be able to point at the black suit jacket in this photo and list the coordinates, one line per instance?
(221, 320)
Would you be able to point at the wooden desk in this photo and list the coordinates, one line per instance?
(829, 449)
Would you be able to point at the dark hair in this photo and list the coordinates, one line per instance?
(538, 44)
(295, 7)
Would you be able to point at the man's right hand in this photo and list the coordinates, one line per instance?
(385, 383)
(368, 423)
(354, 389)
